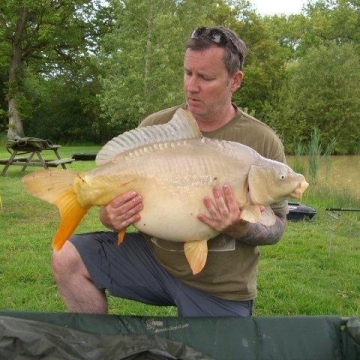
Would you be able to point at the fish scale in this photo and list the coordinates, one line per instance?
(207, 164)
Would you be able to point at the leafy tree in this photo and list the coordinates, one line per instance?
(144, 66)
(143, 56)
(264, 67)
(321, 21)
(288, 32)
(65, 107)
(332, 20)
(308, 91)
(46, 35)
(323, 92)
(263, 64)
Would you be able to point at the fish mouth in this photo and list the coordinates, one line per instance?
(299, 190)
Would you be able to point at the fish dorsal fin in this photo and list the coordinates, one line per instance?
(181, 126)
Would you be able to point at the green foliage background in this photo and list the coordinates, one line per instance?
(112, 63)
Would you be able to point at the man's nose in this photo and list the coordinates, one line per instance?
(191, 84)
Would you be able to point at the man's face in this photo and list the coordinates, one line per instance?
(208, 87)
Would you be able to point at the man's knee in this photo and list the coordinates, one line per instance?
(66, 261)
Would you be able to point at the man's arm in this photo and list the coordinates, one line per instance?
(225, 218)
(258, 234)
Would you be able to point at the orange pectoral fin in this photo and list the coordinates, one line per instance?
(268, 217)
(251, 213)
(196, 254)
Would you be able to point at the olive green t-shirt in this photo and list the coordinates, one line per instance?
(231, 268)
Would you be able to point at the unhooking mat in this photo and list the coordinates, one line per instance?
(35, 335)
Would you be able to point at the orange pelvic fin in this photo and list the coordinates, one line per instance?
(196, 254)
(121, 235)
(57, 187)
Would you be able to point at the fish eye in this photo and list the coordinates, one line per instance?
(282, 176)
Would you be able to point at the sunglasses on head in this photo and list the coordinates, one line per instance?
(217, 36)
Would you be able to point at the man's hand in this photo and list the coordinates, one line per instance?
(122, 211)
(225, 218)
(224, 213)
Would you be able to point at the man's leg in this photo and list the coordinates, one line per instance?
(74, 284)
(128, 271)
(88, 264)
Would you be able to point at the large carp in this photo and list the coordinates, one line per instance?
(173, 168)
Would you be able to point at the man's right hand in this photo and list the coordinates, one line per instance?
(122, 211)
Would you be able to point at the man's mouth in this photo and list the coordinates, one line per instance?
(191, 99)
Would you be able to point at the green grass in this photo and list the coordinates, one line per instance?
(314, 270)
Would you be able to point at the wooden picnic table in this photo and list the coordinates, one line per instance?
(25, 156)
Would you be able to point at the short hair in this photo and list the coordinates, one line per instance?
(235, 48)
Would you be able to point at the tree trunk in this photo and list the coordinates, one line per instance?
(15, 121)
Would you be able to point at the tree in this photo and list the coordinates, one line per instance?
(65, 107)
(144, 68)
(264, 67)
(143, 57)
(288, 32)
(264, 64)
(332, 20)
(46, 35)
(3, 112)
(323, 92)
(321, 21)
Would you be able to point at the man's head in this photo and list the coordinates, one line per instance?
(212, 73)
(235, 49)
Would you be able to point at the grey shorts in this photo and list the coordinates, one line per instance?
(131, 271)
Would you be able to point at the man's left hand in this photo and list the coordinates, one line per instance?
(224, 213)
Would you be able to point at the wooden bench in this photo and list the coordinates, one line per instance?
(24, 156)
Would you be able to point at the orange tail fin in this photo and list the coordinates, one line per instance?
(57, 187)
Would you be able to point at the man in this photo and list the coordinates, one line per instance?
(155, 271)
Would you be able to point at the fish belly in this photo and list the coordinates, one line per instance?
(172, 214)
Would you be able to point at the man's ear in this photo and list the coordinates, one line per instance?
(236, 80)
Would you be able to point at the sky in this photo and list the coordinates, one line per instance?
(287, 7)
